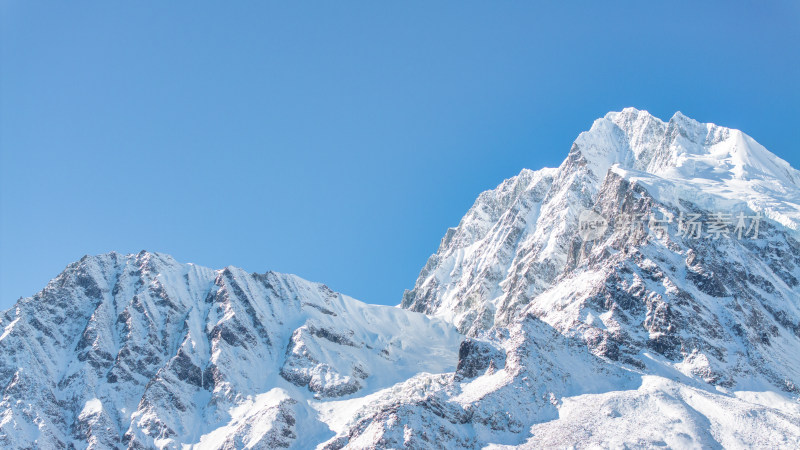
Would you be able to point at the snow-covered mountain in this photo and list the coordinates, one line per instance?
(140, 351)
(672, 285)
(644, 293)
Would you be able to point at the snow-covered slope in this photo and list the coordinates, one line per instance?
(646, 293)
(142, 351)
(624, 299)
(515, 241)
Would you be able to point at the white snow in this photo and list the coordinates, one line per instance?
(177, 355)
(91, 407)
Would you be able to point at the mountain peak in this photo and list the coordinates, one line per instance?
(525, 228)
(681, 149)
(681, 117)
(629, 113)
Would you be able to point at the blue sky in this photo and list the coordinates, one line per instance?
(338, 140)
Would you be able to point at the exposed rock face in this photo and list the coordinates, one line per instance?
(629, 329)
(476, 357)
(303, 368)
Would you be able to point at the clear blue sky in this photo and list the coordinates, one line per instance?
(338, 140)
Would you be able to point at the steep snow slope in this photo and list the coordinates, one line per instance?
(142, 351)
